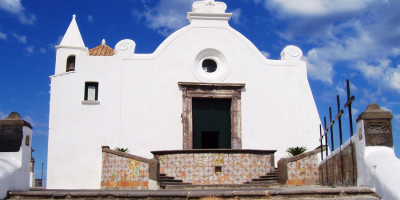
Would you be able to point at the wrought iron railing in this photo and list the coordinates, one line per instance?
(328, 130)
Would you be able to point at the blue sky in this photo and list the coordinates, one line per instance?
(357, 40)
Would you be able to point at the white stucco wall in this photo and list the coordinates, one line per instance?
(31, 179)
(140, 103)
(15, 167)
(377, 166)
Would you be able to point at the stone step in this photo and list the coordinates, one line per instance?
(170, 181)
(270, 176)
(269, 182)
(218, 186)
(166, 177)
(264, 179)
(166, 184)
(316, 192)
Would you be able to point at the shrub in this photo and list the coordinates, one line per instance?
(125, 150)
(294, 151)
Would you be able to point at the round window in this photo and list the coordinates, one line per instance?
(209, 65)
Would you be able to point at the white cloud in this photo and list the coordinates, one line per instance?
(90, 18)
(316, 7)
(21, 39)
(236, 15)
(167, 16)
(266, 54)
(386, 108)
(3, 36)
(33, 122)
(353, 88)
(358, 34)
(396, 121)
(30, 49)
(15, 7)
(396, 51)
(354, 113)
(40, 132)
(382, 73)
(318, 68)
(370, 96)
(42, 50)
(340, 91)
(30, 120)
(341, 88)
(3, 115)
(59, 39)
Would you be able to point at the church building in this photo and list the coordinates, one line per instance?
(206, 86)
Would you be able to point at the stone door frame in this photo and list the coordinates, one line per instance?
(212, 90)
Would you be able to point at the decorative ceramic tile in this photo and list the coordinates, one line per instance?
(300, 170)
(200, 168)
(123, 173)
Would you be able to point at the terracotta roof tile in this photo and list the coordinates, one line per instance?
(102, 50)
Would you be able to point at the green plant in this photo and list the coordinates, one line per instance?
(125, 150)
(294, 151)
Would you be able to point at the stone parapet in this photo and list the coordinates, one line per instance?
(301, 169)
(126, 171)
(340, 168)
(377, 126)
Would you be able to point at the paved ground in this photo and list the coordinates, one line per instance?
(314, 192)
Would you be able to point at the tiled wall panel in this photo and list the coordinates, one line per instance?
(303, 170)
(123, 173)
(199, 168)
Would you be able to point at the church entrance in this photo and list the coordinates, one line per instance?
(211, 123)
(211, 115)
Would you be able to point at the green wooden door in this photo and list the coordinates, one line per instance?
(211, 123)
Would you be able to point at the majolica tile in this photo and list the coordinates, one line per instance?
(120, 172)
(192, 168)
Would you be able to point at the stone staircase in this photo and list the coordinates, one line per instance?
(270, 179)
(264, 187)
(168, 181)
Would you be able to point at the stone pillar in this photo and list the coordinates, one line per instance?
(11, 135)
(377, 126)
(15, 154)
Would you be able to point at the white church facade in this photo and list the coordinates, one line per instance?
(205, 87)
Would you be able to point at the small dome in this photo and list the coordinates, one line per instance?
(102, 50)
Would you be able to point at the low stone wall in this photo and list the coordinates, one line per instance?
(203, 167)
(341, 167)
(125, 171)
(301, 169)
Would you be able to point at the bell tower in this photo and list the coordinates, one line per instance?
(69, 50)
